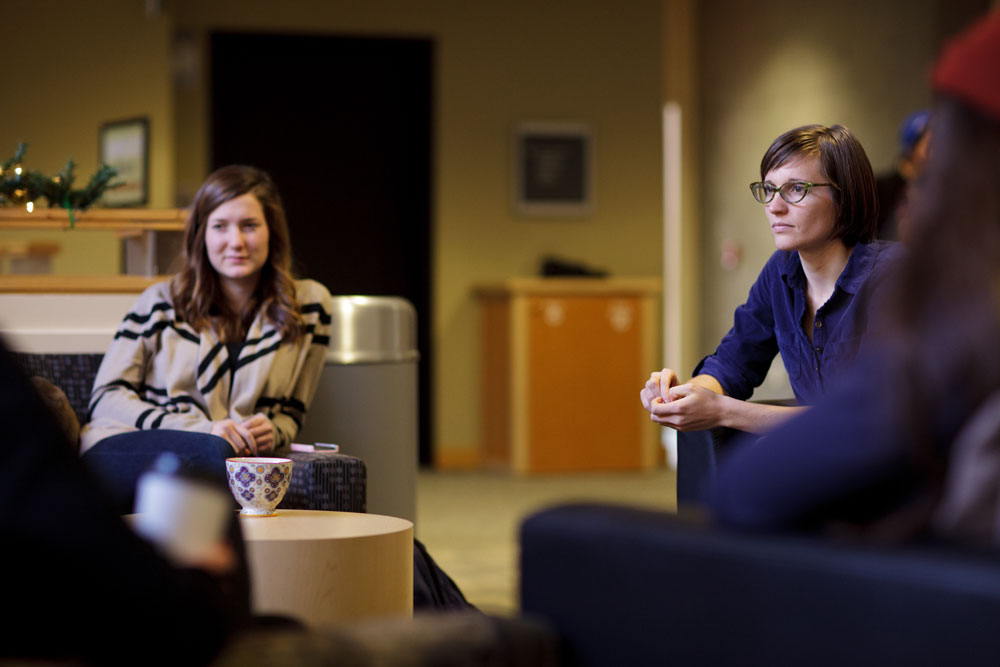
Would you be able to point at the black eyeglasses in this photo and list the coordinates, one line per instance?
(792, 192)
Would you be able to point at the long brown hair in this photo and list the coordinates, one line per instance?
(845, 164)
(196, 290)
(943, 317)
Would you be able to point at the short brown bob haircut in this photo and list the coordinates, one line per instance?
(845, 164)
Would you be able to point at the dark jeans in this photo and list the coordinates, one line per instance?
(118, 461)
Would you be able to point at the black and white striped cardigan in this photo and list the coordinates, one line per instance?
(159, 373)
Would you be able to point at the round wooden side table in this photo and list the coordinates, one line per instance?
(324, 567)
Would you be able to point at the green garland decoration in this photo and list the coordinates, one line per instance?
(18, 187)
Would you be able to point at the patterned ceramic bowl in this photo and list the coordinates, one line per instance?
(258, 483)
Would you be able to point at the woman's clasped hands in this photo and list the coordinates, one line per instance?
(251, 437)
(685, 407)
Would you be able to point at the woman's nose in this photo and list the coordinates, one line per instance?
(777, 204)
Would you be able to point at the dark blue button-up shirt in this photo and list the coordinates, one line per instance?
(771, 322)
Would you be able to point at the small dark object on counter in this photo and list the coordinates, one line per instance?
(553, 266)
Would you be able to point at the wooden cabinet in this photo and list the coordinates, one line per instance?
(563, 360)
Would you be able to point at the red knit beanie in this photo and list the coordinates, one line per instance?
(969, 67)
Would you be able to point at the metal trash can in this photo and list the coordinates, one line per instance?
(366, 401)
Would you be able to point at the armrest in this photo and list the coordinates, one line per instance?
(699, 453)
(323, 481)
(698, 456)
(629, 586)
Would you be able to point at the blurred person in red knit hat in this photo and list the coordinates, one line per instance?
(909, 443)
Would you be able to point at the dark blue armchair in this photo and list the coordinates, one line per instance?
(624, 586)
(699, 454)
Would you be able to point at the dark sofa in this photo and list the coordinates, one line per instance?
(624, 586)
(319, 481)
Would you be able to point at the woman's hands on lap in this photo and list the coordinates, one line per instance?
(685, 407)
(263, 433)
(657, 387)
(690, 407)
(251, 437)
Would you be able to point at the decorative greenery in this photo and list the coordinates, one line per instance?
(19, 187)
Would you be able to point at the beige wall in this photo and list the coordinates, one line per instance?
(858, 63)
(497, 63)
(71, 68)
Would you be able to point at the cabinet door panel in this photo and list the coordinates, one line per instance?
(585, 372)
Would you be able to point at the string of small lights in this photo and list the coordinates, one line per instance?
(22, 187)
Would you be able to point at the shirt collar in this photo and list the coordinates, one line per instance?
(859, 265)
(792, 273)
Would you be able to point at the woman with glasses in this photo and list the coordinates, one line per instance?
(908, 443)
(811, 300)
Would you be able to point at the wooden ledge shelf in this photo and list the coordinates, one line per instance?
(97, 219)
(137, 227)
(48, 284)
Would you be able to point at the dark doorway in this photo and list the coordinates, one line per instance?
(343, 125)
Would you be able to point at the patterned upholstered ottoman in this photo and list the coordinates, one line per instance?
(320, 481)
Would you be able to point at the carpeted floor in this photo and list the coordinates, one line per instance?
(469, 519)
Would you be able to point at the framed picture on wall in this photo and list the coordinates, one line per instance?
(124, 145)
(553, 169)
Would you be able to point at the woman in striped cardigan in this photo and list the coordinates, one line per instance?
(223, 359)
